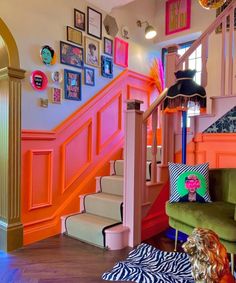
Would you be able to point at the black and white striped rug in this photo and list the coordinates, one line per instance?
(146, 264)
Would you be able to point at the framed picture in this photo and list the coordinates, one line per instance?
(56, 95)
(108, 46)
(44, 102)
(92, 51)
(79, 19)
(221, 9)
(94, 23)
(71, 55)
(72, 84)
(89, 76)
(107, 67)
(178, 15)
(74, 35)
(121, 52)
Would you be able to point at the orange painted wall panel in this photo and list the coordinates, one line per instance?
(217, 149)
(40, 179)
(60, 165)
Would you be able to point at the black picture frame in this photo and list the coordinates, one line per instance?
(107, 67)
(79, 19)
(71, 55)
(73, 35)
(72, 85)
(108, 46)
(89, 76)
(94, 23)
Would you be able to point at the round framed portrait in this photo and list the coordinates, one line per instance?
(48, 55)
(38, 80)
(56, 77)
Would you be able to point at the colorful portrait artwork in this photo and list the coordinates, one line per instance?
(191, 187)
(121, 52)
(178, 14)
(48, 55)
(72, 81)
(56, 95)
(108, 46)
(71, 55)
(79, 19)
(92, 52)
(56, 76)
(89, 76)
(38, 80)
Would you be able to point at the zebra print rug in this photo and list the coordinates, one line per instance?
(146, 264)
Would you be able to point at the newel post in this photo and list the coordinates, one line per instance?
(168, 129)
(133, 180)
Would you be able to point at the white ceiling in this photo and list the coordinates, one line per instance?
(107, 5)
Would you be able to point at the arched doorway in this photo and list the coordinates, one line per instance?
(11, 229)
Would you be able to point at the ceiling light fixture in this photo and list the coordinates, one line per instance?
(150, 32)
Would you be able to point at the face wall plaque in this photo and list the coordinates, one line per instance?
(48, 55)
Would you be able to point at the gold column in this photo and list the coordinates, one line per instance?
(11, 228)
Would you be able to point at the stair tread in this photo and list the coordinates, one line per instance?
(88, 227)
(92, 219)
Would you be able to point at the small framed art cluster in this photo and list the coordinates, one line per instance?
(39, 80)
(83, 50)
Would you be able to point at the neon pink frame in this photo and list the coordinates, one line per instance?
(185, 8)
(121, 52)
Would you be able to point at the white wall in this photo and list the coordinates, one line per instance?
(34, 24)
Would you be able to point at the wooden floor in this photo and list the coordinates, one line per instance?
(63, 260)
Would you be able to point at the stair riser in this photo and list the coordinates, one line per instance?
(119, 168)
(112, 185)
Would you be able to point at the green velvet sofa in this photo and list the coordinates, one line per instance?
(218, 215)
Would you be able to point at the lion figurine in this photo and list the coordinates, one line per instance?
(208, 257)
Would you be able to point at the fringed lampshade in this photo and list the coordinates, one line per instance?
(185, 93)
(182, 96)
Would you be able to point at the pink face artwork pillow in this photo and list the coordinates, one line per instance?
(189, 183)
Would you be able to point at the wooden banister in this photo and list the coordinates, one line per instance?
(154, 105)
(208, 31)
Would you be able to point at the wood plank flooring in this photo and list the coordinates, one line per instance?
(63, 260)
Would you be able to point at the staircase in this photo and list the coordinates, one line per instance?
(132, 173)
(100, 220)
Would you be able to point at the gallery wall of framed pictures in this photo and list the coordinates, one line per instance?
(87, 52)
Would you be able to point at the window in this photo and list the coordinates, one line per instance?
(195, 63)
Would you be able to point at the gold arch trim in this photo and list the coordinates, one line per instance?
(11, 46)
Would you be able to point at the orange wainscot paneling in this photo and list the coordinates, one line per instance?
(60, 165)
(40, 179)
(217, 149)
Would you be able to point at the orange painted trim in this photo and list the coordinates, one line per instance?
(88, 125)
(37, 135)
(91, 102)
(50, 226)
(48, 152)
(100, 146)
(65, 199)
(120, 79)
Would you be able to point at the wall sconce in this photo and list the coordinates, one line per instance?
(150, 32)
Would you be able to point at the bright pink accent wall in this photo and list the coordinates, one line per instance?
(60, 165)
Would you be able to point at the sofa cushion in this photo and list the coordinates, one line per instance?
(189, 183)
(217, 216)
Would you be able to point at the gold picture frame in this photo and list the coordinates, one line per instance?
(92, 51)
(74, 35)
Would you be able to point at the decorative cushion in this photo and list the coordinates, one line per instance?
(189, 183)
